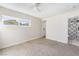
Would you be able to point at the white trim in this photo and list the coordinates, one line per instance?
(62, 41)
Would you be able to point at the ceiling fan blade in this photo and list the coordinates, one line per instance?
(36, 8)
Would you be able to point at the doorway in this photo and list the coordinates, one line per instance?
(44, 28)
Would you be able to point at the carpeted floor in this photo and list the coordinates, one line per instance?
(41, 47)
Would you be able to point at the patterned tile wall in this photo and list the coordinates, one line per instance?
(73, 28)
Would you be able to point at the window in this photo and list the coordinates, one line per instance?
(8, 20)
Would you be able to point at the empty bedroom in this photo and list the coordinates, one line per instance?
(39, 29)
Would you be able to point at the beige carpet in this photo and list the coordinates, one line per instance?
(41, 47)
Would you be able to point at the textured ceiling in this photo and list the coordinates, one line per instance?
(44, 9)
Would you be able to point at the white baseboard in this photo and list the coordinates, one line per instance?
(19, 42)
(62, 41)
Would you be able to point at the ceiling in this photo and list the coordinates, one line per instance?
(44, 9)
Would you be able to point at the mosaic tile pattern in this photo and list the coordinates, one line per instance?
(73, 28)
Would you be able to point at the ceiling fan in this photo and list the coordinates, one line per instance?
(36, 6)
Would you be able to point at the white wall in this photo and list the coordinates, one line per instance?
(57, 26)
(10, 35)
